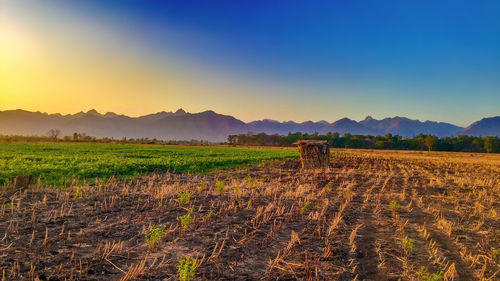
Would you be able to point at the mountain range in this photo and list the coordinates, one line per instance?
(211, 126)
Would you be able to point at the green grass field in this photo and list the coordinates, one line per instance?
(57, 164)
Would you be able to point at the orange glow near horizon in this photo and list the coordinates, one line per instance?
(55, 71)
(37, 74)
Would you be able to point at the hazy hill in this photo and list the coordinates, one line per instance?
(269, 126)
(346, 125)
(178, 125)
(484, 127)
(206, 125)
(209, 125)
(407, 127)
(161, 115)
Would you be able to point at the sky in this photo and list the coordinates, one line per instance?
(283, 60)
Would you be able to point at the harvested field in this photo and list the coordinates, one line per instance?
(373, 215)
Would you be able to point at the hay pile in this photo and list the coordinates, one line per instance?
(314, 154)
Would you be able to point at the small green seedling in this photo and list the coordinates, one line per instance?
(249, 204)
(328, 187)
(424, 275)
(495, 253)
(203, 186)
(209, 214)
(407, 244)
(184, 197)
(187, 219)
(250, 182)
(305, 207)
(219, 187)
(154, 234)
(348, 193)
(77, 194)
(236, 190)
(394, 205)
(186, 269)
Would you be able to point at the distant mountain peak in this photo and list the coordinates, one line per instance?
(180, 111)
(93, 112)
(344, 120)
(111, 115)
(489, 126)
(208, 112)
(271, 120)
(408, 127)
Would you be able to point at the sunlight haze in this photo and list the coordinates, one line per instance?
(298, 65)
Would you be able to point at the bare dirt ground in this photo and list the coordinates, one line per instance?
(370, 216)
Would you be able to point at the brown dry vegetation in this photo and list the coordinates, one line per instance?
(353, 221)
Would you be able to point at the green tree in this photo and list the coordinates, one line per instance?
(379, 144)
(490, 144)
(430, 142)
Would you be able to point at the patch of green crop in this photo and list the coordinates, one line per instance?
(220, 187)
(424, 275)
(187, 219)
(186, 269)
(59, 163)
(394, 205)
(154, 234)
(184, 197)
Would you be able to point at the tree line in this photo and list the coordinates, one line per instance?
(462, 143)
(54, 135)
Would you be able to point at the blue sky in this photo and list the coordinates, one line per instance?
(301, 60)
